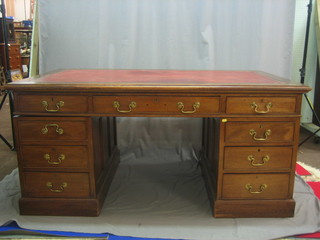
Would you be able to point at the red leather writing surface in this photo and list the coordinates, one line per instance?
(158, 77)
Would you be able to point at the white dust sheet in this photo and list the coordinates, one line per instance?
(158, 192)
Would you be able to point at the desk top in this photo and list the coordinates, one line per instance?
(153, 80)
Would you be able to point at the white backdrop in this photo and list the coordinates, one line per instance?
(167, 34)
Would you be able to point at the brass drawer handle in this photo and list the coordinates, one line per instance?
(265, 159)
(195, 106)
(60, 159)
(262, 188)
(58, 106)
(255, 107)
(45, 130)
(253, 133)
(59, 189)
(131, 106)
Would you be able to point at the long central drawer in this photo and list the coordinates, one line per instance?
(158, 104)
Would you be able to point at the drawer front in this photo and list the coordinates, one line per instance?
(261, 105)
(259, 132)
(172, 105)
(52, 129)
(257, 158)
(54, 157)
(73, 185)
(255, 186)
(54, 104)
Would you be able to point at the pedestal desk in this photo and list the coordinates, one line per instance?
(65, 132)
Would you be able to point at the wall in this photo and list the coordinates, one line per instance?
(188, 34)
(18, 9)
(9, 7)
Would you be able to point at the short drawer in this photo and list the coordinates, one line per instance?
(255, 186)
(55, 157)
(259, 132)
(261, 105)
(57, 185)
(257, 158)
(37, 129)
(53, 104)
(156, 105)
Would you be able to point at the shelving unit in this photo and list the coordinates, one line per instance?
(12, 61)
(23, 36)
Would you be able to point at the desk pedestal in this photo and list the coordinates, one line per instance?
(70, 175)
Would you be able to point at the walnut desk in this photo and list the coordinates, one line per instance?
(67, 144)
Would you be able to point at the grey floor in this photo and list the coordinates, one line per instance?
(309, 152)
